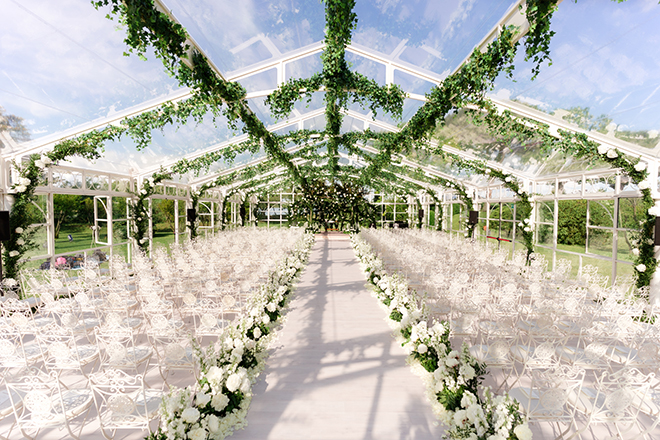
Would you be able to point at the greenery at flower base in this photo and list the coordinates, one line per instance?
(218, 402)
(452, 377)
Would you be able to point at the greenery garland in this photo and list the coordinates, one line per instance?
(579, 145)
(30, 174)
(139, 208)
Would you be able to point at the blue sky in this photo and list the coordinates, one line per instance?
(606, 56)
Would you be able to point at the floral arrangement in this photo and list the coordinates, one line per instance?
(452, 377)
(140, 208)
(218, 402)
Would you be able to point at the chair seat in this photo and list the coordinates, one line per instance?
(6, 407)
(134, 356)
(139, 408)
(75, 401)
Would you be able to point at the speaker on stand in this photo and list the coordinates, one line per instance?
(5, 234)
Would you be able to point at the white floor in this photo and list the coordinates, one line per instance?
(336, 372)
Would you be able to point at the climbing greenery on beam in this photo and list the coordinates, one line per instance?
(31, 173)
(507, 125)
(139, 208)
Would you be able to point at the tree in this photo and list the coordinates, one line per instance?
(581, 117)
(66, 209)
(164, 213)
(14, 125)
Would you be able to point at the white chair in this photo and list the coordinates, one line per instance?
(64, 351)
(616, 399)
(118, 350)
(46, 403)
(123, 401)
(546, 399)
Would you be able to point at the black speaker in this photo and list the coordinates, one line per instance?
(474, 217)
(5, 231)
(192, 215)
(657, 232)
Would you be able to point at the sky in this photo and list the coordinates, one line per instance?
(63, 63)
(605, 56)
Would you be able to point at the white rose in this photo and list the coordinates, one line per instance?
(39, 164)
(202, 399)
(654, 211)
(523, 432)
(20, 188)
(422, 348)
(190, 415)
(266, 319)
(640, 268)
(20, 242)
(612, 154)
(644, 184)
(214, 423)
(24, 181)
(13, 253)
(219, 402)
(271, 307)
(527, 229)
(635, 252)
(640, 166)
(602, 149)
(257, 333)
(451, 362)
(45, 159)
(19, 230)
(197, 434)
(234, 382)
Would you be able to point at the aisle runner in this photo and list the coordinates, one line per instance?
(337, 373)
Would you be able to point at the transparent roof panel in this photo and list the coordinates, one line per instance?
(63, 65)
(432, 35)
(605, 75)
(461, 133)
(236, 35)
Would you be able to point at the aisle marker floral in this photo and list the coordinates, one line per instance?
(218, 402)
(452, 377)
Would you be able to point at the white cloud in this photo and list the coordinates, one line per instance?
(457, 16)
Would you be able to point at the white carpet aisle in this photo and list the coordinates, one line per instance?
(336, 372)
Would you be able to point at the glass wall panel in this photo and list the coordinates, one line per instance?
(601, 213)
(572, 225)
(67, 179)
(163, 222)
(570, 186)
